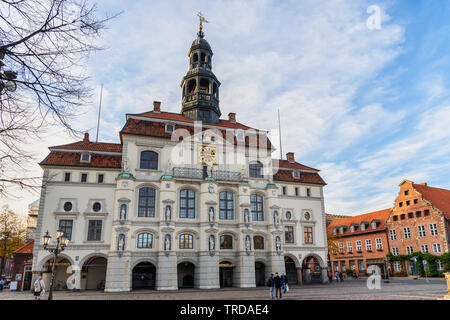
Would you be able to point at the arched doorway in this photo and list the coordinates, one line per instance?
(226, 274)
(144, 276)
(186, 272)
(60, 281)
(312, 272)
(260, 274)
(291, 270)
(93, 274)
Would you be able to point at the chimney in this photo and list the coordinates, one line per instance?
(290, 157)
(157, 106)
(232, 117)
(86, 137)
(424, 184)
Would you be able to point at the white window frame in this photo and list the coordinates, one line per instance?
(341, 247)
(421, 231)
(379, 243)
(397, 266)
(395, 251)
(424, 246)
(407, 233)
(84, 154)
(409, 249)
(349, 246)
(437, 245)
(358, 245)
(393, 235)
(434, 229)
(368, 245)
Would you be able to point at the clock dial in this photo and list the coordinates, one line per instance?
(207, 155)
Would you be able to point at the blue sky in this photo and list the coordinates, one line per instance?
(368, 108)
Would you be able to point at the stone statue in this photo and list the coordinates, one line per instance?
(211, 215)
(276, 219)
(248, 243)
(168, 213)
(278, 244)
(123, 212)
(125, 167)
(246, 217)
(167, 243)
(121, 242)
(212, 243)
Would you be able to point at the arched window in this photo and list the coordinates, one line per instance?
(226, 205)
(145, 240)
(258, 242)
(256, 170)
(195, 57)
(186, 241)
(205, 86)
(146, 202)
(215, 90)
(187, 203)
(191, 85)
(226, 242)
(149, 160)
(203, 57)
(256, 201)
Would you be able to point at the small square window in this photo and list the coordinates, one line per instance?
(308, 192)
(406, 192)
(100, 178)
(400, 204)
(426, 213)
(67, 176)
(284, 191)
(84, 177)
(416, 201)
(418, 214)
(169, 127)
(408, 203)
(402, 217)
(395, 218)
(410, 215)
(85, 157)
(296, 191)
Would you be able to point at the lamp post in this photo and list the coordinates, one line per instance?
(61, 244)
(7, 75)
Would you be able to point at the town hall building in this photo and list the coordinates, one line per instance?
(184, 200)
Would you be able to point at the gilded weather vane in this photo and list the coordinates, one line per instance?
(200, 26)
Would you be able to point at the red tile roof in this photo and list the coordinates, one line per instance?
(381, 215)
(440, 198)
(90, 146)
(179, 117)
(72, 159)
(157, 129)
(305, 177)
(293, 165)
(26, 249)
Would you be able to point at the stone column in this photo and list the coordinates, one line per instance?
(244, 273)
(299, 276)
(118, 272)
(166, 272)
(324, 271)
(207, 276)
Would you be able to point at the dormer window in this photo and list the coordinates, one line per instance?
(170, 127)
(85, 157)
(374, 225)
(335, 231)
(352, 228)
(296, 174)
(363, 226)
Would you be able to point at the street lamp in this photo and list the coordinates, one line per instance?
(61, 244)
(8, 75)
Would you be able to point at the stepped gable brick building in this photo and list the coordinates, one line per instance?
(184, 200)
(23, 260)
(361, 241)
(419, 222)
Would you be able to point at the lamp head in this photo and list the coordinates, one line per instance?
(46, 239)
(59, 233)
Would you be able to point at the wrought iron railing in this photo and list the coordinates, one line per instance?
(218, 175)
(221, 175)
(191, 173)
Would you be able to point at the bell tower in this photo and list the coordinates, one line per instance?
(200, 87)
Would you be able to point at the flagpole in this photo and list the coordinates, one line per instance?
(279, 133)
(99, 110)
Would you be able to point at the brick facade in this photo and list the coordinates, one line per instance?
(367, 228)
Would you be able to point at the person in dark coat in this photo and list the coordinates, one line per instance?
(284, 281)
(278, 284)
(271, 284)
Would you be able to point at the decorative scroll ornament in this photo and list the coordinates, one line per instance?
(212, 245)
(248, 244)
(168, 214)
(246, 217)
(167, 244)
(121, 244)
(123, 213)
(211, 216)
(278, 245)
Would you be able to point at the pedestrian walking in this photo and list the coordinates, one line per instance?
(2, 284)
(271, 284)
(330, 276)
(336, 275)
(341, 276)
(39, 288)
(284, 280)
(278, 285)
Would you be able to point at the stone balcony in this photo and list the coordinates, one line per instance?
(217, 175)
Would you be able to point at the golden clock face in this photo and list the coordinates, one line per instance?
(207, 155)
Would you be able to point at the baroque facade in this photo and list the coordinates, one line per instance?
(185, 200)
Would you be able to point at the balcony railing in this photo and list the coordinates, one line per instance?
(221, 175)
(190, 173)
(218, 175)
